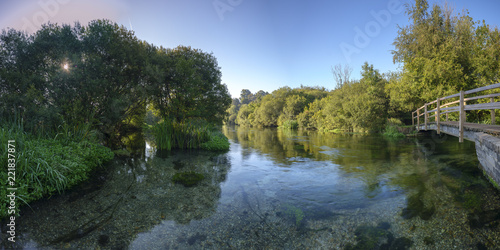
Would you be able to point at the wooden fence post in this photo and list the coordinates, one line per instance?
(425, 117)
(413, 118)
(492, 112)
(461, 118)
(418, 119)
(437, 117)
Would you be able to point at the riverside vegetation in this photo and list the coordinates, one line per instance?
(69, 95)
(440, 53)
(102, 82)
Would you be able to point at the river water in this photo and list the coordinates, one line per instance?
(277, 189)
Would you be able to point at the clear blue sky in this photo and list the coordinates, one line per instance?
(259, 44)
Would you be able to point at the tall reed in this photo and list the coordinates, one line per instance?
(181, 135)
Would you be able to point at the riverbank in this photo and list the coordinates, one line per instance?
(40, 166)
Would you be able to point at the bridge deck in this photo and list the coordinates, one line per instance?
(489, 129)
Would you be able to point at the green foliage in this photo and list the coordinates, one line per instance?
(185, 83)
(391, 128)
(441, 54)
(100, 85)
(188, 179)
(357, 105)
(290, 124)
(47, 166)
(110, 78)
(217, 142)
(392, 131)
(272, 110)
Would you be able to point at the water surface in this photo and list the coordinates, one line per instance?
(278, 189)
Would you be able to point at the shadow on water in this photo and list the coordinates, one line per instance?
(124, 198)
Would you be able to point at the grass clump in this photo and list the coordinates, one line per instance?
(45, 166)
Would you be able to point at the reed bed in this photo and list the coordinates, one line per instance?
(192, 134)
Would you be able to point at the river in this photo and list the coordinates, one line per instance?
(278, 189)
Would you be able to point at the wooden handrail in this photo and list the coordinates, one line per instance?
(461, 108)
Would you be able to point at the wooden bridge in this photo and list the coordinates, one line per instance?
(485, 136)
(457, 103)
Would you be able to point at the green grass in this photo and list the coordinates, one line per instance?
(45, 166)
(189, 135)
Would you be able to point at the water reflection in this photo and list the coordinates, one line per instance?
(281, 189)
(130, 196)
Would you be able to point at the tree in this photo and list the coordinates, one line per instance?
(441, 55)
(188, 85)
(341, 75)
(246, 96)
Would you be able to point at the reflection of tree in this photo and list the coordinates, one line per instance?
(374, 160)
(136, 195)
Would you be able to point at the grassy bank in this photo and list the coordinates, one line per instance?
(46, 164)
(195, 134)
(396, 129)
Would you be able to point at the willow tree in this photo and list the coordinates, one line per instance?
(187, 84)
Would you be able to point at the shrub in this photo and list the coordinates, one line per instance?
(290, 124)
(392, 131)
(217, 142)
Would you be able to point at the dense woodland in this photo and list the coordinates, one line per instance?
(102, 75)
(439, 53)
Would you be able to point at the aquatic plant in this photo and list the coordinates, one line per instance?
(188, 179)
(379, 237)
(294, 213)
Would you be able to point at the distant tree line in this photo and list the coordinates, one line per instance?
(359, 105)
(103, 75)
(440, 54)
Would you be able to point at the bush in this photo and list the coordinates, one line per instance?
(217, 142)
(392, 131)
(290, 124)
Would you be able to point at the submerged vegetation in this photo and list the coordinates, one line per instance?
(188, 179)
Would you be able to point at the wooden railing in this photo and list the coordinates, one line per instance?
(442, 109)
